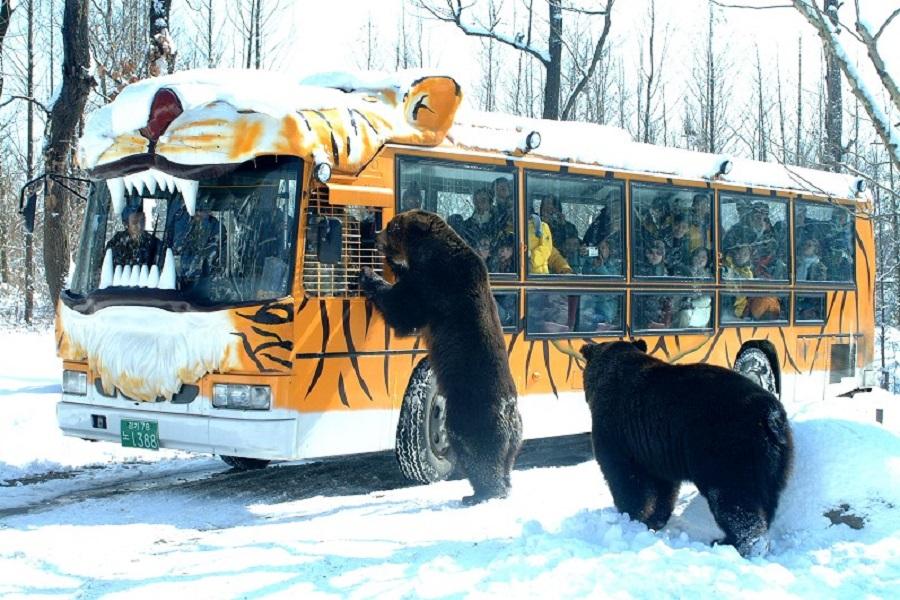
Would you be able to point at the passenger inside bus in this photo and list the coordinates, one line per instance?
(480, 224)
(502, 260)
(199, 242)
(654, 263)
(653, 311)
(411, 197)
(133, 245)
(678, 251)
(504, 205)
(809, 262)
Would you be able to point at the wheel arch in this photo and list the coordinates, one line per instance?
(768, 349)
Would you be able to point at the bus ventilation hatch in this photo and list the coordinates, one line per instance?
(340, 240)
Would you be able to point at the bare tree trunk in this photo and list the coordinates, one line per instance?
(834, 110)
(781, 119)
(62, 129)
(761, 126)
(29, 162)
(797, 160)
(554, 67)
(647, 138)
(5, 13)
(256, 24)
(161, 57)
(711, 89)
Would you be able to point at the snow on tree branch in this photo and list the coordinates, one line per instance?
(830, 37)
(453, 13)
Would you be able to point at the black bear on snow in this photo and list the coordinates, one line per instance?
(655, 425)
(442, 291)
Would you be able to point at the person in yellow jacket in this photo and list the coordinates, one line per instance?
(737, 265)
(543, 257)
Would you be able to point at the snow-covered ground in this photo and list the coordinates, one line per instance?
(81, 520)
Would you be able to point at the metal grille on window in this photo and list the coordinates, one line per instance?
(340, 240)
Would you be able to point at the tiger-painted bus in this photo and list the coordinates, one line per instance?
(214, 304)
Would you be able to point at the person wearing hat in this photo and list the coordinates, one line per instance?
(134, 245)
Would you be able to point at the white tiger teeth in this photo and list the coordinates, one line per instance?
(147, 183)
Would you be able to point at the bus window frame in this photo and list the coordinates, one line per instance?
(755, 292)
(714, 241)
(804, 322)
(581, 335)
(720, 252)
(826, 284)
(574, 278)
(504, 167)
(708, 289)
(516, 293)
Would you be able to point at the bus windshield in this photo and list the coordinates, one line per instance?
(237, 247)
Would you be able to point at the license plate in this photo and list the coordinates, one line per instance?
(140, 434)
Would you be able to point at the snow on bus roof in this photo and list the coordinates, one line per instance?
(613, 148)
(277, 94)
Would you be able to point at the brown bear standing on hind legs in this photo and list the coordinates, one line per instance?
(442, 291)
(655, 425)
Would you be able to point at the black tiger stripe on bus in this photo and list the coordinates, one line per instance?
(334, 150)
(862, 249)
(546, 345)
(248, 349)
(302, 304)
(714, 340)
(528, 359)
(828, 314)
(285, 363)
(739, 336)
(416, 345)
(342, 391)
(369, 308)
(677, 343)
(351, 348)
(364, 118)
(571, 360)
(326, 331)
(661, 345)
(352, 124)
(787, 351)
(386, 353)
(512, 343)
(267, 314)
(305, 120)
(728, 357)
(841, 315)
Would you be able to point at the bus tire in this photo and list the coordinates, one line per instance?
(753, 364)
(423, 448)
(240, 463)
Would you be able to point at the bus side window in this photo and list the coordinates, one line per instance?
(578, 314)
(823, 242)
(754, 235)
(752, 308)
(672, 232)
(575, 225)
(672, 311)
(477, 201)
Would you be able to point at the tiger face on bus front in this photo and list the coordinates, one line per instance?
(186, 264)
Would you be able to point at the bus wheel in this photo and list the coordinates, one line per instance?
(753, 364)
(423, 448)
(244, 464)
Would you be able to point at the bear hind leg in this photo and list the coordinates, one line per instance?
(486, 474)
(645, 498)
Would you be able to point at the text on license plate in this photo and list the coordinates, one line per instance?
(140, 434)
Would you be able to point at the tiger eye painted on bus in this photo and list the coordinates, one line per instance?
(214, 305)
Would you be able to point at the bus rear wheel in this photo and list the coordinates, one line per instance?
(423, 448)
(244, 464)
(753, 364)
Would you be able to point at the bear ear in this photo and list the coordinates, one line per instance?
(588, 350)
(640, 345)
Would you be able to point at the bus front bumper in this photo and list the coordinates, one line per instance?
(249, 434)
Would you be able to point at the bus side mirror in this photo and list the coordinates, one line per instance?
(329, 240)
(28, 211)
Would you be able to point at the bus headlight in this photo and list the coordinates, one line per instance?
(74, 382)
(241, 396)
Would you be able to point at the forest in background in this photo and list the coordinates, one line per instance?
(826, 99)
